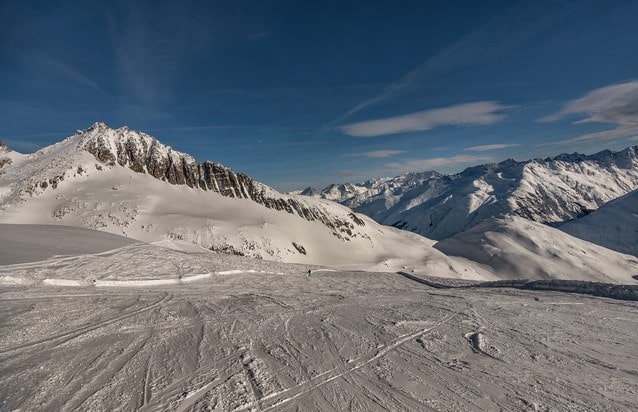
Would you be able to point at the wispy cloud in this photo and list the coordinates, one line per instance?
(377, 153)
(478, 113)
(616, 104)
(507, 31)
(411, 165)
(54, 65)
(488, 147)
(441, 164)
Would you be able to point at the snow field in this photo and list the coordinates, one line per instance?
(263, 341)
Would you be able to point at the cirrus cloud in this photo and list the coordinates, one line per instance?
(616, 104)
(488, 147)
(377, 153)
(412, 165)
(477, 113)
(440, 164)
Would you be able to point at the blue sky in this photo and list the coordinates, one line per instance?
(299, 93)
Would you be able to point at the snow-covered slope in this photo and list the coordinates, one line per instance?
(128, 183)
(614, 225)
(514, 247)
(30, 243)
(8, 157)
(548, 190)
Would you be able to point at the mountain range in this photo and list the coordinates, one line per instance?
(551, 191)
(490, 219)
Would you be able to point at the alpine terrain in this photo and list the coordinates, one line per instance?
(133, 277)
(128, 183)
(550, 191)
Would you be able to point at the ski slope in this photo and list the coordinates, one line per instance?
(258, 335)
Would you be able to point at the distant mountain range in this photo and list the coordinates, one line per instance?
(551, 191)
(491, 216)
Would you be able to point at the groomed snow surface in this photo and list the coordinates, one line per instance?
(173, 328)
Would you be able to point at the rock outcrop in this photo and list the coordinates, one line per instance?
(4, 160)
(144, 154)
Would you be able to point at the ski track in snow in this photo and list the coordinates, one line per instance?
(337, 340)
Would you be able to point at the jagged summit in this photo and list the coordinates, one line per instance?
(128, 183)
(621, 158)
(4, 148)
(551, 190)
(142, 153)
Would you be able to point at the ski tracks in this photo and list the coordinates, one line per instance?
(278, 399)
(62, 338)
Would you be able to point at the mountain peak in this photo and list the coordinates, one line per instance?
(97, 126)
(4, 148)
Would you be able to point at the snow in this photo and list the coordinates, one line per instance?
(614, 225)
(95, 321)
(266, 341)
(61, 282)
(552, 190)
(117, 200)
(29, 243)
(514, 247)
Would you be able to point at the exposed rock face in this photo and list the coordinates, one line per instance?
(144, 154)
(4, 161)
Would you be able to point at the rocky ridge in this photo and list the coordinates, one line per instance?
(551, 190)
(4, 160)
(144, 154)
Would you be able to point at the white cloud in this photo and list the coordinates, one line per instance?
(377, 153)
(451, 164)
(489, 147)
(616, 104)
(411, 165)
(478, 113)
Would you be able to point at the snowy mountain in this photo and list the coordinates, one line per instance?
(551, 190)
(128, 183)
(515, 247)
(614, 225)
(8, 157)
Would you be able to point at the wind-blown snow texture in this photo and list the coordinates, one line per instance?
(551, 190)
